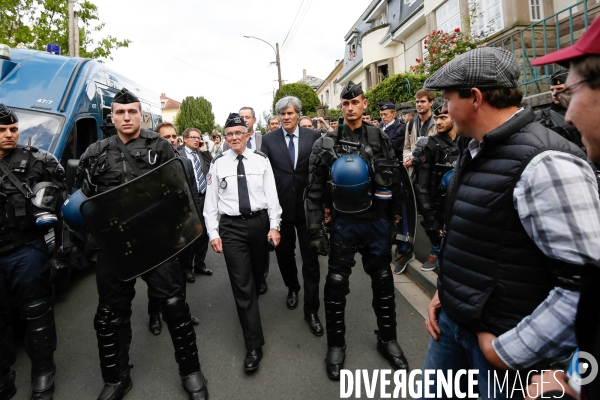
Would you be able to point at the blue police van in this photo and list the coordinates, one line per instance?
(64, 103)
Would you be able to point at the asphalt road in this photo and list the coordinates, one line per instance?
(292, 367)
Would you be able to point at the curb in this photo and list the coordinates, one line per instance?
(427, 280)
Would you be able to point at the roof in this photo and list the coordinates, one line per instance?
(170, 104)
(311, 81)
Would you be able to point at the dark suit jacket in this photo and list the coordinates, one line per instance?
(205, 159)
(290, 182)
(258, 137)
(191, 177)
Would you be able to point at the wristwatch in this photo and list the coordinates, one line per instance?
(278, 228)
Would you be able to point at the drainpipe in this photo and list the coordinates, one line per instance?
(403, 50)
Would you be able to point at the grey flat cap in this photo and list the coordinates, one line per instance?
(485, 67)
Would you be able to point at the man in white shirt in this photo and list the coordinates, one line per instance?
(254, 138)
(242, 215)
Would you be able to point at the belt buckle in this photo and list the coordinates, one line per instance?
(246, 216)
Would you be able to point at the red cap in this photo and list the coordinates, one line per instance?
(588, 44)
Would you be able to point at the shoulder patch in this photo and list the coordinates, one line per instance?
(260, 153)
(217, 157)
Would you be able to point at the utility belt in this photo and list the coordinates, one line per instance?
(246, 216)
(13, 240)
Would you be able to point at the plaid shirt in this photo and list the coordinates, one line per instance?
(557, 200)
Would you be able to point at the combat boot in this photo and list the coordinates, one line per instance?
(116, 391)
(195, 386)
(384, 305)
(42, 384)
(337, 287)
(7, 386)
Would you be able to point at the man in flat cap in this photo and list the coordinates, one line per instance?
(363, 214)
(110, 163)
(553, 117)
(394, 128)
(29, 174)
(243, 216)
(522, 220)
(583, 90)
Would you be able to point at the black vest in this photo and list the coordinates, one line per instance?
(109, 168)
(492, 275)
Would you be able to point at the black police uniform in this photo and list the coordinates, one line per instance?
(23, 258)
(436, 156)
(367, 232)
(108, 168)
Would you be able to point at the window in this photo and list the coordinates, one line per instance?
(163, 103)
(369, 80)
(380, 20)
(382, 72)
(327, 96)
(535, 8)
(448, 16)
(489, 17)
(335, 88)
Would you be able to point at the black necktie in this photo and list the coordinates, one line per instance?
(243, 197)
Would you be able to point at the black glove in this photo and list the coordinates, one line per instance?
(57, 267)
(432, 229)
(319, 241)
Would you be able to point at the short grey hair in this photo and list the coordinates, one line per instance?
(287, 101)
(272, 118)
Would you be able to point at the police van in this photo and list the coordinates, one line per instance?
(64, 103)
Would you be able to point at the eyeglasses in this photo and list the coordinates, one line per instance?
(194, 137)
(569, 89)
(237, 133)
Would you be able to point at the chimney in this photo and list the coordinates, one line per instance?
(304, 74)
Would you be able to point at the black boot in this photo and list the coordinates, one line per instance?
(154, 324)
(7, 386)
(177, 316)
(195, 385)
(113, 331)
(384, 305)
(40, 344)
(337, 287)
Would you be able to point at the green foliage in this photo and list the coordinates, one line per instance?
(394, 89)
(308, 97)
(195, 112)
(36, 23)
(334, 113)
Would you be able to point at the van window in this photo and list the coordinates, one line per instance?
(84, 133)
(40, 127)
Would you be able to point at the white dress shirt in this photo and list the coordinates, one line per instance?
(287, 142)
(222, 189)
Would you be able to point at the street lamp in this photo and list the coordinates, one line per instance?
(276, 50)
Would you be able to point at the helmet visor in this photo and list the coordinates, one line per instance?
(352, 198)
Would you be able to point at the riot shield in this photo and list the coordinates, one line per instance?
(145, 222)
(405, 239)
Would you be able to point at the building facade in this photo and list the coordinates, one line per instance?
(169, 107)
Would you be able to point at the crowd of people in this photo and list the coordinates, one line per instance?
(508, 198)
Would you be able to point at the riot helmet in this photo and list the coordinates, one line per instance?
(446, 180)
(44, 200)
(350, 184)
(71, 211)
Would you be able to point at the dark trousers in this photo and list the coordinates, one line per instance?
(245, 249)
(286, 259)
(153, 304)
(164, 282)
(21, 282)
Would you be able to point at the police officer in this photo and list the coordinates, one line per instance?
(433, 158)
(110, 163)
(553, 117)
(31, 189)
(358, 161)
(393, 127)
(242, 215)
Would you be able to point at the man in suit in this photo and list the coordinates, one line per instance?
(289, 149)
(196, 150)
(255, 141)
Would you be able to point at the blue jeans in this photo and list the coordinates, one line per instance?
(458, 348)
(434, 250)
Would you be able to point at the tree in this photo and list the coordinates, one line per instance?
(335, 113)
(308, 97)
(195, 112)
(36, 23)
